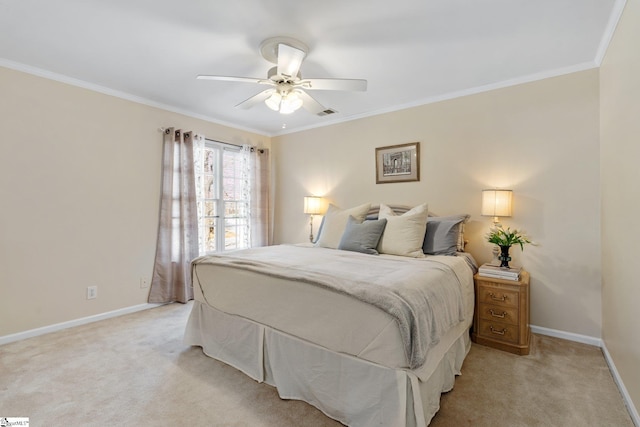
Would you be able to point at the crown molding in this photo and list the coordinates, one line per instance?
(39, 72)
(614, 18)
(452, 95)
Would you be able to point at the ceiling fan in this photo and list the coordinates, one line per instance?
(287, 92)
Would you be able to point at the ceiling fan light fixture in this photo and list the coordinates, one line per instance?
(290, 103)
(273, 102)
(288, 92)
(285, 103)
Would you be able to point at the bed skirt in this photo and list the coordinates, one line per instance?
(353, 391)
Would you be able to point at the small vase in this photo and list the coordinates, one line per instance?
(504, 256)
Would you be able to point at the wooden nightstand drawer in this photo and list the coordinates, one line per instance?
(499, 331)
(495, 313)
(497, 296)
(501, 317)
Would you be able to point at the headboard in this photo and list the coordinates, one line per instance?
(397, 209)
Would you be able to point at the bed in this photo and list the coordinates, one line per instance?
(369, 339)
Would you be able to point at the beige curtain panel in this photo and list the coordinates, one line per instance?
(260, 206)
(178, 226)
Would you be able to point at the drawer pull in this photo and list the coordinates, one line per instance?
(495, 298)
(498, 315)
(497, 332)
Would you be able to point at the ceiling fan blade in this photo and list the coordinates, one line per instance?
(255, 99)
(289, 60)
(235, 79)
(334, 84)
(309, 103)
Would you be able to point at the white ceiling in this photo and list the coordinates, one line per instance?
(411, 51)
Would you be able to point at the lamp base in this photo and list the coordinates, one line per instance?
(496, 253)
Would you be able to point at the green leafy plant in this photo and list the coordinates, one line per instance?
(501, 237)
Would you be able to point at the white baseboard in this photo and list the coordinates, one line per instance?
(633, 412)
(585, 339)
(77, 322)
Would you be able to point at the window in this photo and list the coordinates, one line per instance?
(222, 186)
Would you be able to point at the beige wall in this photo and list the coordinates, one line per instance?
(539, 139)
(620, 170)
(79, 190)
(81, 180)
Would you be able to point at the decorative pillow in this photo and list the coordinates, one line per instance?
(335, 222)
(443, 234)
(404, 234)
(362, 237)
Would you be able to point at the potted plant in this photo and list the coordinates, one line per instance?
(505, 238)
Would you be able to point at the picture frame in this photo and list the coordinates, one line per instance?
(398, 163)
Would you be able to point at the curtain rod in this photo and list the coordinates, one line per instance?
(161, 130)
(260, 150)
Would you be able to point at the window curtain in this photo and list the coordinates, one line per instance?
(177, 241)
(260, 196)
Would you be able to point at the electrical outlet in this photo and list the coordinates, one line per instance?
(144, 282)
(92, 292)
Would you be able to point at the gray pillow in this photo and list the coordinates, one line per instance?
(362, 237)
(443, 234)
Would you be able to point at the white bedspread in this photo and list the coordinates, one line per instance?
(424, 295)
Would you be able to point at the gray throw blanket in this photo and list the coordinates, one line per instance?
(423, 295)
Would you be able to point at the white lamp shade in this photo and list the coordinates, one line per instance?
(273, 101)
(313, 205)
(290, 103)
(497, 203)
(285, 102)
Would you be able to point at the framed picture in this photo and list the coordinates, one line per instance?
(398, 163)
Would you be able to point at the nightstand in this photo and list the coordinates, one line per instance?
(501, 318)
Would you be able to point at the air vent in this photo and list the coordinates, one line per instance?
(327, 112)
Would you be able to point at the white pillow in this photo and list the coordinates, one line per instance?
(404, 234)
(335, 222)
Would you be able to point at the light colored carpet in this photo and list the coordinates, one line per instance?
(134, 370)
